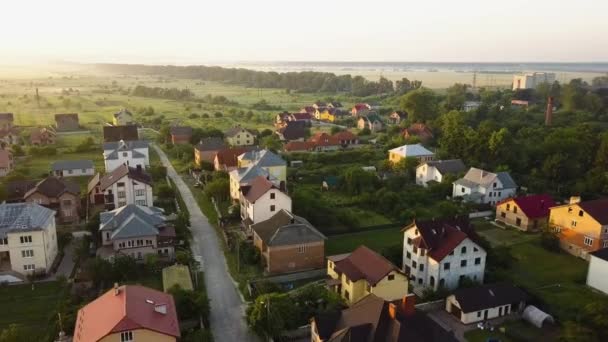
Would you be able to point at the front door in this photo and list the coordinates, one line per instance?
(485, 315)
(500, 311)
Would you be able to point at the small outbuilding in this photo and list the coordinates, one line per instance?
(536, 316)
(475, 304)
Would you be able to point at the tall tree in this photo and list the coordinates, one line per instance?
(420, 104)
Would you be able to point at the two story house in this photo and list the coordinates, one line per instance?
(28, 238)
(136, 231)
(255, 163)
(261, 199)
(239, 136)
(360, 109)
(125, 185)
(436, 170)
(371, 121)
(128, 313)
(582, 227)
(123, 118)
(480, 186)
(288, 243)
(131, 153)
(441, 253)
(206, 150)
(72, 168)
(60, 195)
(410, 151)
(526, 213)
(363, 272)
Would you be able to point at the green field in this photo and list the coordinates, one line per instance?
(374, 239)
(29, 307)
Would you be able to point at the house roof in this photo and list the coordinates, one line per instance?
(601, 253)
(307, 109)
(292, 132)
(228, 157)
(285, 228)
(477, 176)
(235, 130)
(123, 170)
(6, 116)
(5, 158)
(440, 237)
(249, 173)
(399, 113)
(447, 166)
(301, 116)
(323, 139)
(363, 263)
(93, 182)
(23, 217)
(488, 296)
(258, 187)
(122, 111)
(66, 117)
(54, 187)
(263, 158)
(124, 145)
(534, 206)
(181, 130)
(598, 209)
(361, 106)
(210, 144)
(293, 146)
(132, 221)
(17, 189)
(372, 117)
(132, 307)
(418, 129)
(118, 133)
(71, 165)
(415, 150)
(345, 135)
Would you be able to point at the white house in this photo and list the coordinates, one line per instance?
(261, 199)
(436, 170)
(532, 80)
(132, 153)
(406, 151)
(28, 238)
(125, 185)
(440, 253)
(476, 304)
(482, 186)
(72, 168)
(597, 276)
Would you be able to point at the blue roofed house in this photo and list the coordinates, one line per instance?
(132, 153)
(136, 231)
(484, 187)
(72, 168)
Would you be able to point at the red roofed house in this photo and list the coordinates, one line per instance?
(441, 253)
(420, 130)
(322, 142)
(261, 199)
(227, 159)
(298, 146)
(363, 272)
(360, 109)
(527, 213)
(128, 313)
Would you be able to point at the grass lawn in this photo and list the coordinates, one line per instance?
(23, 306)
(502, 236)
(519, 328)
(376, 240)
(177, 275)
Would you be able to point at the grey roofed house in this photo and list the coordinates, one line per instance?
(448, 166)
(263, 158)
(475, 177)
(23, 217)
(210, 144)
(245, 174)
(488, 296)
(124, 145)
(285, 228)
(110, 178)
(71, 165)
(132, 220)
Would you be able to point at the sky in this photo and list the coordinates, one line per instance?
(203, 31)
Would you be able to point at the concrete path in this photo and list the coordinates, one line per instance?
(227, 309)
(66, 266)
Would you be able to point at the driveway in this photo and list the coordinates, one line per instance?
(227, 309)
(66, 266)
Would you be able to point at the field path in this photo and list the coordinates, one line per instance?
(227, 309)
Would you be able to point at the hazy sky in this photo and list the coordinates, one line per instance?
(198, 31)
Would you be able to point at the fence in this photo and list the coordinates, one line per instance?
(481, 214)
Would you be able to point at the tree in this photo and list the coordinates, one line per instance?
(218, 188)
(420, 104)
(456, 96)
(272, 314)
(190, 304)
(357, 181)
(17, 150)
(271, 142)
(407, 166)
(14, 333)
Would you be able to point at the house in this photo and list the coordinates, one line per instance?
(418, 130)
(125, 185)
(28, 239)
(308, 109)
(360, 109)
(532, 80)
(72, 168)
(15, 190)
(374, 319)
(306, 118)
(323, 142)
(363, 272)
(118, 133)
(435, 170)
(397, 116)
(6, 162)
(227, 159)
(410, 151)
(42, 136)
(66, 122)
(130, 313)
(261, 199)
(346, 138)
(136, 231)
(441, 253)
(298, 146)
(288, 243)
(328, 114)
(9, 137)
(238, 136)
(597, 275)
(292, 131)
(60, 195)
(484, 187)
(206, 150)
(281, 119)
(526, 213)
(243, 176)
(582, 227)
(7, 121)
(123, 118)
(180, 134)
(481, 303)
(257, 163)
(371, 121)
(132, 153)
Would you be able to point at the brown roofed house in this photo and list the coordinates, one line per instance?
(67, 122)
(57, 194)
(527, 213)
(15, 190)
(180, 134)
(118, 133)
(420, 130)
(227, 159)
(42, 136)
(289, 243)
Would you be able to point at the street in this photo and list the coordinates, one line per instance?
(227, 310)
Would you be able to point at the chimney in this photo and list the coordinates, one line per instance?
(575, 199)
(161, 308)
(549, 111)
(408, 305)
(116, 289)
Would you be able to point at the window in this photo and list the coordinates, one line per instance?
(421, 267)
(477, 261)
(452, 252)
(346, 294)
(272, 207)
(570, 210)
(462, 190)
(29, 267)
(499, 193)
(463, 263)
(28, 253)
(4, 241)
(503, 214)
(148, 242)
(125, 154)
(120, 184)
(414, 264)
(605, 243)
(126, 336)
(475, 249)
(514, 210)
(409, 241)
(26, 239)
(580, 213)
(272, 195)
(420, 281)
(70, 172)
(391, 277)
(122, 194)
(478, 313)
(518, 222)
(302, 249)
(494, 185)
(409, 255)
(446, 266)
(140, 242)
(422, 252)
(415, 250)
(416, 232)
(140, 192)
(83, 170)
(368, 288)
(573, 223)
(141, 202)
(588, 241)
(508, 206)
(463, 250)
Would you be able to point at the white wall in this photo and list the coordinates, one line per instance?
(597, 276)
(260, 210)
(477, 316)
(126, 157)
(131, 188)
(425, 173)
(44, 246)
(75, 172)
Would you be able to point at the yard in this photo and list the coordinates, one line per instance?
(374, 239)
(510, 331)
(29, 307)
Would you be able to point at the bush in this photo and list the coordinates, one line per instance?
(248, 253)
(549, 240)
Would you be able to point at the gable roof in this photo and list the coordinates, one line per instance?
(534, 206)
(598, 209)
(364, 263)
(71, 165)
(23, 217)
(118, 133)
(124, 145)
(54, 187)
(129, 307)
(418, 129)
(481, 177)
(249, 173)
(292, 132)
(372, 117)
(415, 150)
(132, 221)
(181, 130)
(263, 158)
(488, 296)
(17, 189)
(210, 144)
(345, 135)
(301, 116)
(293, 146)
(228, 157)
(122, 111)
(258, 187)
(440, 237)
(123, 170)
(235, 130)
(285, 228)
(361, 106)
(447, 166)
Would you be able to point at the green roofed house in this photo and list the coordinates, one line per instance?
(371, 121)
(177, 275)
